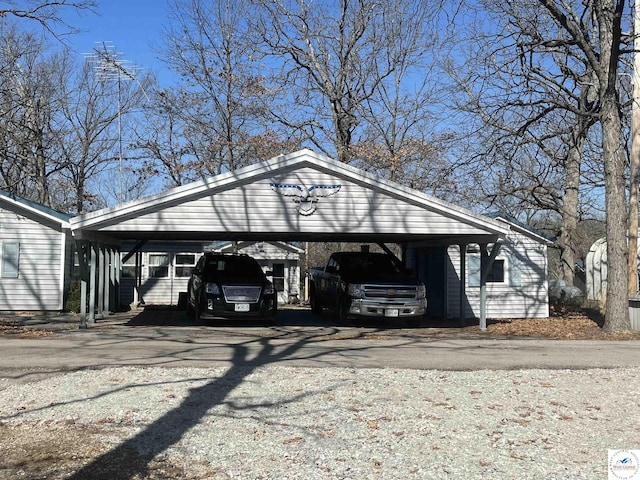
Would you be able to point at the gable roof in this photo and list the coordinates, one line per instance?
(226, 246)
(522, 228)
(15, 202)
(299, 196)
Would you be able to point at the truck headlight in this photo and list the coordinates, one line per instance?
(268, 290)
(355, 290)
(212, 288)
(422, 292)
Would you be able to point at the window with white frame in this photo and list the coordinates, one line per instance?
(185, 262)
(506, 269)
(128, 268)
(9, 268)
(158, 265)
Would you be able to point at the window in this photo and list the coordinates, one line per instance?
(10, 260)
(158, 265)
(184, 264)
(128, 268)
(496, 275)
(507, 268)
(278, 276)
(75, 266)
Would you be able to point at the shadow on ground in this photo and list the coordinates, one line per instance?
(288, 315)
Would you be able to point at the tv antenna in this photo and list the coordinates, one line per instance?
(108, 64)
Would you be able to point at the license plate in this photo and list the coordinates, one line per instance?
(391, 312)
(242, 307)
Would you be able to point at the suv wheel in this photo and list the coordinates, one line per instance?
(313, 300)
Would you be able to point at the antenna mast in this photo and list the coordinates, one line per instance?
(108, 65)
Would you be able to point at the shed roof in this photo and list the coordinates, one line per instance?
(294, 197)
(16, 203)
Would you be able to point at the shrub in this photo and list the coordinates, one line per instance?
(72, 298)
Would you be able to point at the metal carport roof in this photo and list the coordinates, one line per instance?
(302, 196)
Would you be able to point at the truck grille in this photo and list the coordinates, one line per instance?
(241, 294)
(389, 291)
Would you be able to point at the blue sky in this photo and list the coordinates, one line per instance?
(133, 26)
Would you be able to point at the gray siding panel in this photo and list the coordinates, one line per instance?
(527, 300)
(257, 208)
(38, 286)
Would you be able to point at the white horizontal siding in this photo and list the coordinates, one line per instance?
(159, 291)
(257, 208)
(38, 286)
(166, 290)
(529, 300)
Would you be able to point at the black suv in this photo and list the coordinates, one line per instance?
(223, 286)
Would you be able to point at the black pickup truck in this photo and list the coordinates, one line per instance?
(367, 284)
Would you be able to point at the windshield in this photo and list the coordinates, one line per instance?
(370, 264)
(232, 267)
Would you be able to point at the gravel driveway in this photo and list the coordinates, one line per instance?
(278, 422)
(187, 416)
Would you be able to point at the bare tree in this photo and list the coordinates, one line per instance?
(602, 50)
(566, 74)
(222, 99)
(161, 139)
(328, 62)
(89, 116)
(400, 119)
(537, 103)
(47, 14)
(30, 98)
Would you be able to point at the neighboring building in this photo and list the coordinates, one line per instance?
(282, 259)
(36, 256)
(166, 268)
(596, 271)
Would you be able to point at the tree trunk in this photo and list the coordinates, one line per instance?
(569, 209)
(617, 308)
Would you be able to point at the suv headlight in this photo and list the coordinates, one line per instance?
(355, 290)
(269, 290)
(422, 292)
(212, 288)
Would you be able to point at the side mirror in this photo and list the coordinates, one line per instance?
(268, 273)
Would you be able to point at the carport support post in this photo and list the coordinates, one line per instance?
(101, 262)
(83, 261)
(115, 287)
(463, 282)
(92, 284)
(486, 265)
(483, 287)
(107, 280)
(138, 278)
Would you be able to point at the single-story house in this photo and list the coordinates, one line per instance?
(37, 256)
(473, 265)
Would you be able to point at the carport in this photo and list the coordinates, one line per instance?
(302, 196)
